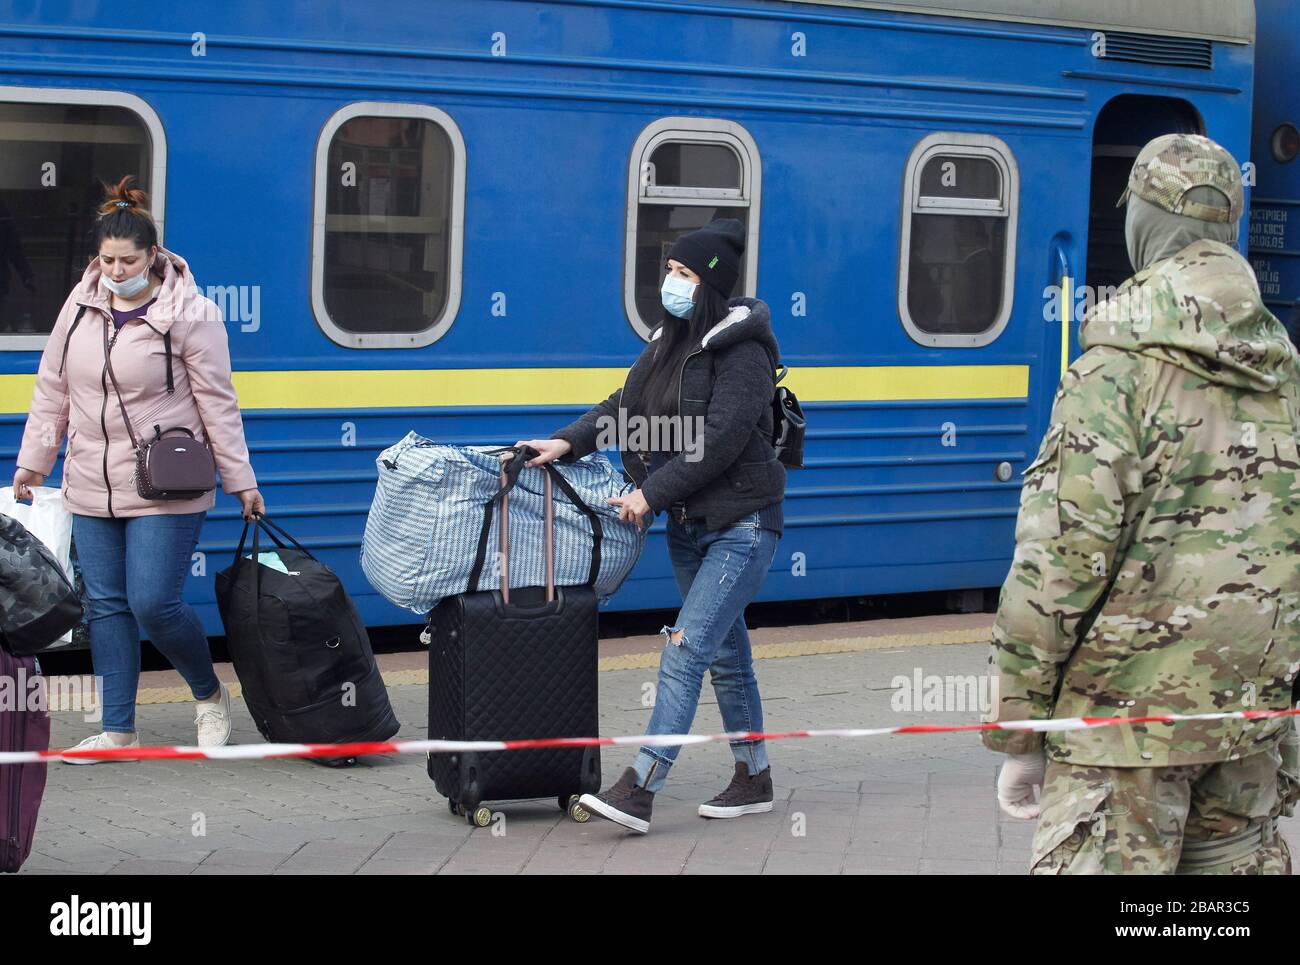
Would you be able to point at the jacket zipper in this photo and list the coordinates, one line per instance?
(103, 413)
(681, 373)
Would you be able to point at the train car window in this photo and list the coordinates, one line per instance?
(693, 170)
(58, 146)
(388, 226)
(685, 172)
(957, 262)
(952, 177)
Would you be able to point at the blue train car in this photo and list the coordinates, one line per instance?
(1275, 208)
(451, 216)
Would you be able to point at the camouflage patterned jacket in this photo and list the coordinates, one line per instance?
(1157, 563)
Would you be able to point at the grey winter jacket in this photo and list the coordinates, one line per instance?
(727, 378)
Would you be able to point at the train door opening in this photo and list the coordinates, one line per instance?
(1123, 127)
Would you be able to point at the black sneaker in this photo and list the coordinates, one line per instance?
(624, 803)
(744, 795)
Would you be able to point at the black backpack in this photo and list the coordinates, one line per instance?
(787, 421)
(37, 603)
(787, 424)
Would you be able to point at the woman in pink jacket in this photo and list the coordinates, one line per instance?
(137, 301)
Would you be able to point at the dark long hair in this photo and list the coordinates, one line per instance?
(677, 338)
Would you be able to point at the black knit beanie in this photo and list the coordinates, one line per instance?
(713, 252)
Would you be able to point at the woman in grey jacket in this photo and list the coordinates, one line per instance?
(693, 423)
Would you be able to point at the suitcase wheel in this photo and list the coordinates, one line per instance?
(480, 817)
(454, 807)
(576, 811)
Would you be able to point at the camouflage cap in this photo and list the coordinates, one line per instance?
(1174, 164)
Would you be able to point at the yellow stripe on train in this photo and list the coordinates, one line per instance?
(421, 388)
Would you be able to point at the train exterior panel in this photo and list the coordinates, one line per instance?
(448, 218)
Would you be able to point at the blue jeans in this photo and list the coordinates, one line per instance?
(718, 573)
(134, 569)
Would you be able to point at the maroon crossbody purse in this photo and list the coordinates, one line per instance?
(168, 466)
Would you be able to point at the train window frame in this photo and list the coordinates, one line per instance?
(455, 229)
(698, 130)
(157, 160)
(1007, 206)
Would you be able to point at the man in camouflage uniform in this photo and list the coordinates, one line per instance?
(1156, 567)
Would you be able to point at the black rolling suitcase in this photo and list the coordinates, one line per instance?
(513, 664)
(300, 649)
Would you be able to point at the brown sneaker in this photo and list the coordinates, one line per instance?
(624, 803)
(744, 795)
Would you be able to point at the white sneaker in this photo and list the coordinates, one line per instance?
(212, 717)
(100, 742)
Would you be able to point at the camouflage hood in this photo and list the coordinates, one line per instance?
(1200, 310)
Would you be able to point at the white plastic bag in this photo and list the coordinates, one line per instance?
(49, 521)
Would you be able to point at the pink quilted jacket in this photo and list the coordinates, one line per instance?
(74, 396)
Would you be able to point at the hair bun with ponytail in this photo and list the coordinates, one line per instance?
(124, 213)
(125, 194)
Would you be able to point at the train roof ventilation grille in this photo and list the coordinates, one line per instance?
(1166, 51)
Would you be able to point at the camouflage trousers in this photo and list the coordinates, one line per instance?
(1136, 820)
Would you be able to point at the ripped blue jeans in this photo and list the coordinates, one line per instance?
(718, 572)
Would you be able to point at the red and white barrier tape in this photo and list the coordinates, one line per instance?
(238, 752)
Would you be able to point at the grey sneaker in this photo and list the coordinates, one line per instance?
(97, 743)
(624, 803)
(744, 795)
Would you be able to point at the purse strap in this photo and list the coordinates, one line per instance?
(108, 363)
(67, 339)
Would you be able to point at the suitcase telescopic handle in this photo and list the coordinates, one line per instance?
(548, 536)
(508, 478)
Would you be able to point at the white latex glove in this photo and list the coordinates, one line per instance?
(1020, 775)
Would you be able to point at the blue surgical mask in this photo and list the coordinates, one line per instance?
(677, 296)
(129, 288)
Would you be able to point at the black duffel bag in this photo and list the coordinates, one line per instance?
(300, 649)
(37, 603)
